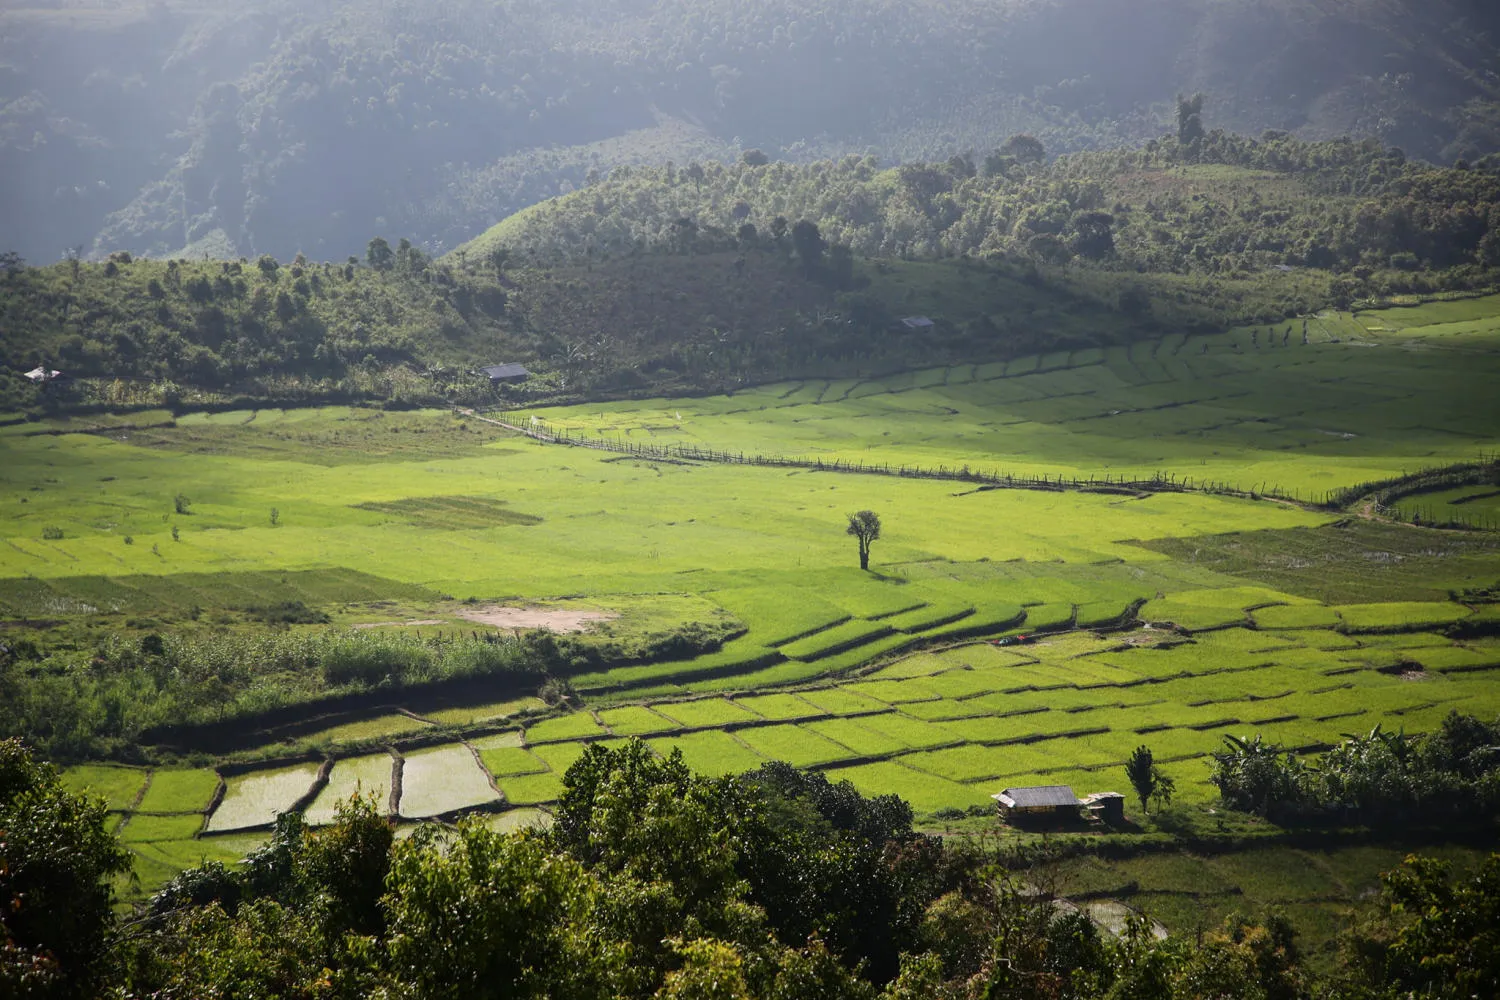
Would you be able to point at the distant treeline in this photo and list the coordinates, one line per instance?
(1452, 773)
(99, 700)
(1216, 204)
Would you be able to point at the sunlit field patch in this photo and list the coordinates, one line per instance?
(117, 786)
(256, 798)
(175, 791)
(368, 777)
(442, 780)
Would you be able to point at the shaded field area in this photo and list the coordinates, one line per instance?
(1357, 560)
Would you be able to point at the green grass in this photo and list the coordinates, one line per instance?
(452, 513)
(634, 720)
(467, 715)
(1399, 615)
(861, 740)
(1099, 613)
(516, 820)
(927, 793)
(435, 513)
(560, 756)
(1355, 561)
(1229, 419)
(784, 613)
(1296, 616)
(705, 712)
(710, 752)
(737, 656)
(117, 786)
(504, 762)
(1048, 616)
(794, 745)
(179, 791)
(531, 789)
(779, 706)
(966, 763)
(254, 799)
(1476, 505)
(566, 727)
(930, 616)
(841, 701)
(146, 829)
(392, 724)
(179, 592)
(835, 640)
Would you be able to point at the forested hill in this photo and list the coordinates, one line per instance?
(1214, 204)
(178, 128)
(705, 277)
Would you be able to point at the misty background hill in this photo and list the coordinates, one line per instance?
(193, 128)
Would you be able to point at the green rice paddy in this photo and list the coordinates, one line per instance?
(255, 799)
(365, 776)
(173, 791)
(1291, 622)
(442, 780)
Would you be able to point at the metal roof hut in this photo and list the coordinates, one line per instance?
(1108, 807)
(1038, 802)
(916, 322)
(509, 372)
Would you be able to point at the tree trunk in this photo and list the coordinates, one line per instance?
(864, 557)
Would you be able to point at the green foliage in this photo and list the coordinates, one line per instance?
(56, 865)
(112, 692)
(164, 331)
(1271, 201)
(1451, 771)
(865, 527)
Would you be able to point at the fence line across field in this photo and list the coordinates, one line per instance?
(540, 430)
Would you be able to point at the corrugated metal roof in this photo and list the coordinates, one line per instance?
(510, 370)
(1039, 796)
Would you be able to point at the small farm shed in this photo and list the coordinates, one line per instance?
(509, 372)
(43, 374)
(1038, 802)
(916, 322)
(1106, 806)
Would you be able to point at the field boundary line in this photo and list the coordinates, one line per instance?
(1157, 482)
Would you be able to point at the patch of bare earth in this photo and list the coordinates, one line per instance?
(417, 621)
(551, 619)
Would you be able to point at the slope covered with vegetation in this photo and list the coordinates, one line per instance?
(1202, 203)
(667, 279)
(278, 127)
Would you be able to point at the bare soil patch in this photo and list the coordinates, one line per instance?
(417, 621)
(551, 619)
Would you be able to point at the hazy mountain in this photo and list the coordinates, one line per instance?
(277, 127)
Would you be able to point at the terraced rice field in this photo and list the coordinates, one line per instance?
(1287, 621)
(443, 780)
(255, 799)
(351, 776)
(949, 728)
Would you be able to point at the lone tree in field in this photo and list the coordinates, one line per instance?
(1149, 782)
(864, 526)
